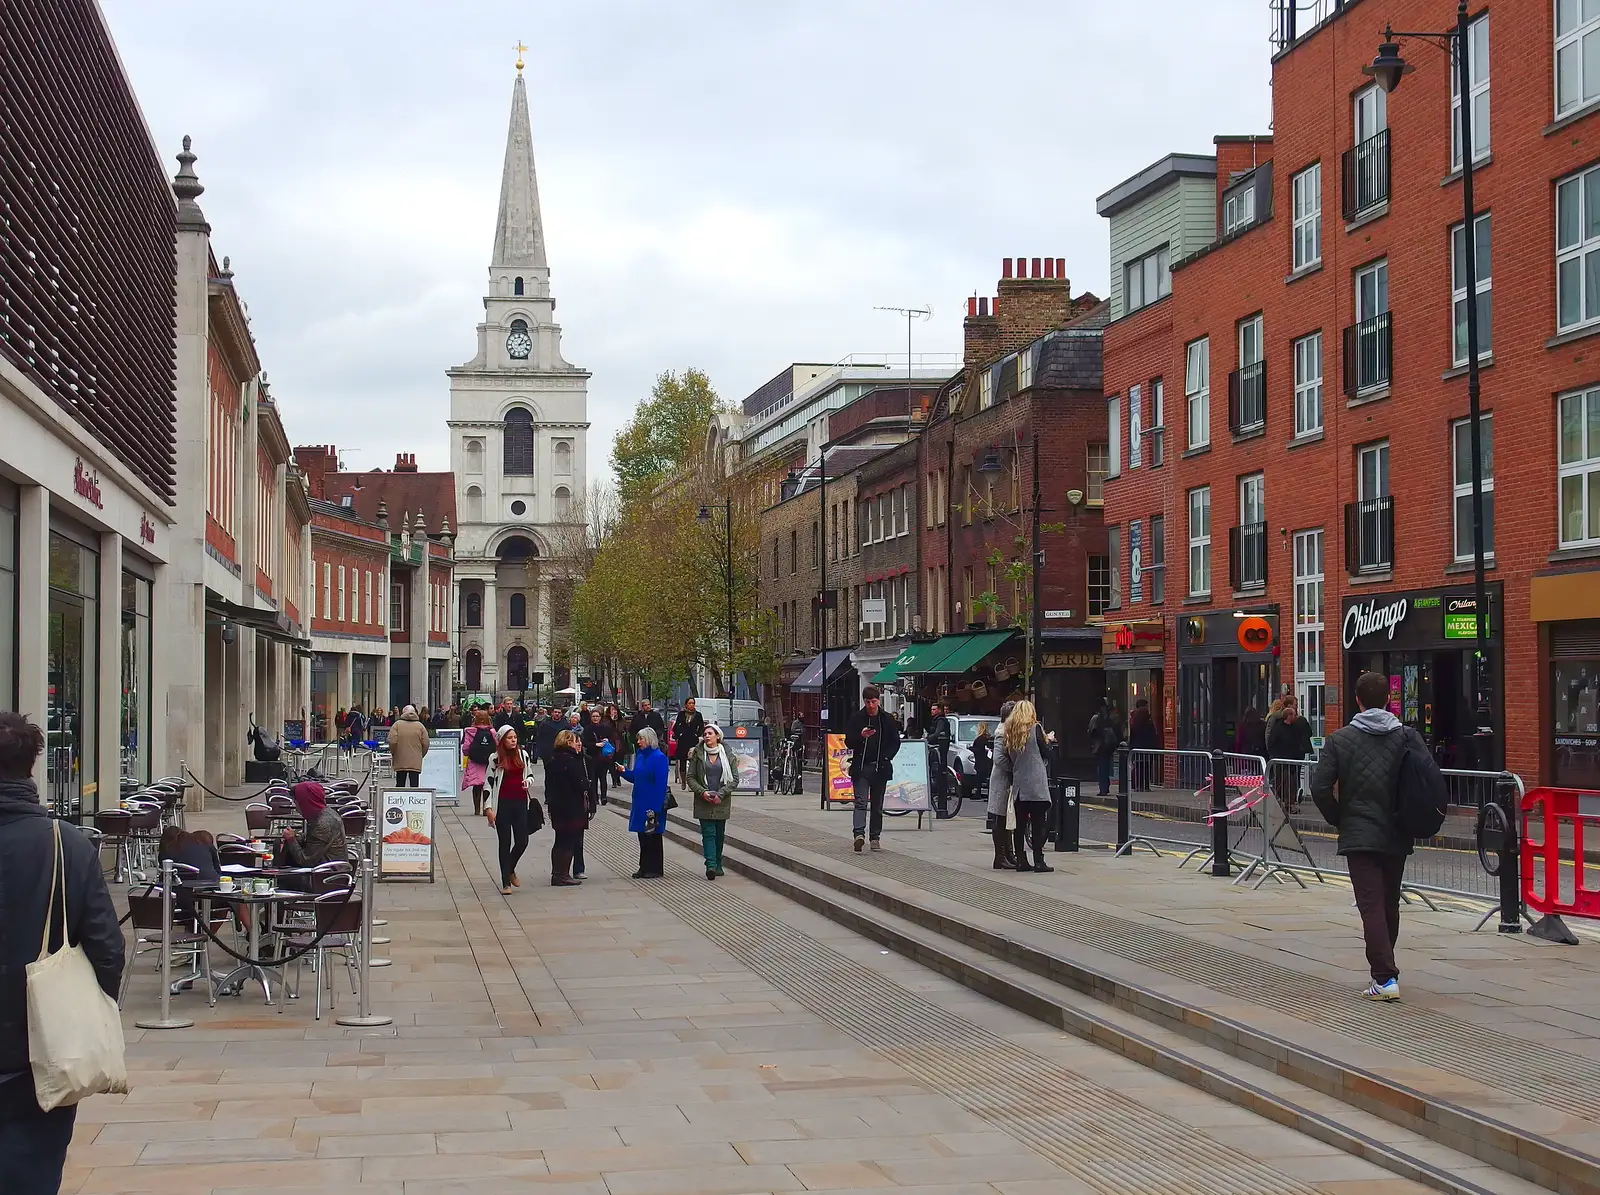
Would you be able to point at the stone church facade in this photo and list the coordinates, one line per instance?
(518, 448)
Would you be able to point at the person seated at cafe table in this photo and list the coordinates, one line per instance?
(323, 840)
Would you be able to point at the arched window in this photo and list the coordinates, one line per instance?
(518, 548)
(563, 502)
(517, 668)
(474, 609)
(563, 458)
(474, 456)
(474, 669)
(474, 504)
(519, 610)
(518, 442)
(516, 286)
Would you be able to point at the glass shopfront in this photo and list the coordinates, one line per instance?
(364, 682)
(1575, 702)
(134, 736)
(324, 696)
(1227, 663)
(73, 659)
(1423, 641)
(8, 595)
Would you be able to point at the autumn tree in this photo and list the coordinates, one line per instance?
(665, 434)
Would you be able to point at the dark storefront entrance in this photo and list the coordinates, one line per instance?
(1423, 641)
(1227, 663)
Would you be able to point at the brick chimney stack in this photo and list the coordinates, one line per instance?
(405, 462)
(316, 461)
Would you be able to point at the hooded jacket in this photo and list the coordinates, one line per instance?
(27, 856)
(408, 743)
(1362, 760)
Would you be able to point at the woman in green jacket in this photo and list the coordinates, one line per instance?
(713, 775)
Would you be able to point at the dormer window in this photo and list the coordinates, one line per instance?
(1239, 208)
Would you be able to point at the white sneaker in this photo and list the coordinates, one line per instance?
(1383, 991)
(861, 841)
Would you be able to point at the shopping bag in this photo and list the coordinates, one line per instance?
(75, 1043)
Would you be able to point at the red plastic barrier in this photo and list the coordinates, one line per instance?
(1547, 814)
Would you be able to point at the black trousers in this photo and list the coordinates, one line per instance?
(406, 779)
(567, 850)
(33, 1143)
(869, 790)
(651, 859)
(1033, 826)
(1376, 879)
(511, 824)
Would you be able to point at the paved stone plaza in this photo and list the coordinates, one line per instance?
(629, 1038)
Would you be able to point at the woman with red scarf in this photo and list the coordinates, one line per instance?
(508, 804)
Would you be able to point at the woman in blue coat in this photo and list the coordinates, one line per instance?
(649, 817)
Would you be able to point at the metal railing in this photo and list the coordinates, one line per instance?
(1369, 536)
(1365, 171)
(1247, 398)
(1247, 556)
(1368, 354)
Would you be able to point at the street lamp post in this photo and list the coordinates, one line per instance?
(705, 517)
(1388, 68)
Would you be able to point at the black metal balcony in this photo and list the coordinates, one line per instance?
(1367, 351)
(1369, 536)
(1247, 556)
(1247, 398)
(1365, 170)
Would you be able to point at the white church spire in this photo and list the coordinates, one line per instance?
(519, 231)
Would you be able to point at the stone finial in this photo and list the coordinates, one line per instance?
(445, 526)
(420, 527)
(187, 188)
(383, 514)
(227, 270)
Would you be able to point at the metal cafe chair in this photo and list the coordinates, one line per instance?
(115, 826)
(187, 941)
(336, 916)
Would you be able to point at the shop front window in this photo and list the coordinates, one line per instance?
(1575, 701)
(324, 696)
(364, 682)
(8, 596)
(73, 662)
(134, 735)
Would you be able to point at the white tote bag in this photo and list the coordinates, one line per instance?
(75, 1043)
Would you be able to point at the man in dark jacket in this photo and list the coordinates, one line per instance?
(1362, 761)
(1105, 736)
(643, 717)
(873, 740)
(544, 735)
(33, 1144)
(939, 736)
(687, 730)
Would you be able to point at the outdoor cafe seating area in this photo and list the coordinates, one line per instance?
(263, 924)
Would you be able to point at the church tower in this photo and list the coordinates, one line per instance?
(518, 426)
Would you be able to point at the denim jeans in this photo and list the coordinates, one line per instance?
(33, 1144)
(1102, 769)
(869, 792)
(712, 835)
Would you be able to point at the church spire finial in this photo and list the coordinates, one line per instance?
(519, 230)
(521, 50)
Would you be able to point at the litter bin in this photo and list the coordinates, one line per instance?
(1064, 813)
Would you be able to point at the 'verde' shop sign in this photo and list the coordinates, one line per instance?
(1372, 616)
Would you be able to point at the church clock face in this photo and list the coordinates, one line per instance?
(518, 343)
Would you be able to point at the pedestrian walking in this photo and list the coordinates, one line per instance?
(1354, 786)
(688, 728)
(1288, 738)
(648, 818)
(874, 740)
(566, 792)
(477, 748)
(597, 753)
(1251, 736)
(509, 804)
(408, 743)
(713, 775)
(1141, 737)
(33, 1143)
(544, 735)
(939, 735)
(1105, 736)
(621, 741)
(1022, 779)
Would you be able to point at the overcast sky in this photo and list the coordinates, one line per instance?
(729, 185)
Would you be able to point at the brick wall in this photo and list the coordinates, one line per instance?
(338, 545)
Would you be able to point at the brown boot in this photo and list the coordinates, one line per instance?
(561, 870)
(1002, 855)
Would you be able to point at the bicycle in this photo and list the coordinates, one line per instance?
(791, 766)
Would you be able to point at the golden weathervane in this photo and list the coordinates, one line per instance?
(521, 50)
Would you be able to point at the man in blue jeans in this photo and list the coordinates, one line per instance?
(33, 1143)
(1105, 736)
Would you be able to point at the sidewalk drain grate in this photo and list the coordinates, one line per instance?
(1106, 1140)
(1553, 1078)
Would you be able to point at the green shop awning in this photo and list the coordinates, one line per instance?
(966, 650)
(914, 659)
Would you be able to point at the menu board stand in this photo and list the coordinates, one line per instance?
(405, 834)
(441, 767)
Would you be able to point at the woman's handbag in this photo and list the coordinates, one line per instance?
(75, 1043)
(672, 801)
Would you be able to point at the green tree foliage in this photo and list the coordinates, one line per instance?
(666, 430)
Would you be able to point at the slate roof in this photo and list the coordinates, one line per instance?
(1070, 358)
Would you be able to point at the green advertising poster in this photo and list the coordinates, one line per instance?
(1461, 626)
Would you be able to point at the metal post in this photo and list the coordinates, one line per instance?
(1220, 864)
(365, 1017)
(1507, 796)
(1124, 798)
(727, 505)
(370, 902)
(167, 1020)
(1036, 623)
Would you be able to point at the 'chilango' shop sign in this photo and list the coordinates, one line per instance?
(1420, 619)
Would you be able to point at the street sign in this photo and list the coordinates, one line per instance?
(1058, 613)
(874, 610)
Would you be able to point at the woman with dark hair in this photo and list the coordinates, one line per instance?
(1251, 737)
(508, 804)
(477, 748)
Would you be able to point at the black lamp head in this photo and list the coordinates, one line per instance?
(1388, 67)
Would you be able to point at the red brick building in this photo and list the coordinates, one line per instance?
(1311, 481)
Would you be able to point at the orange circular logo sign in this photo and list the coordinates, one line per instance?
(739, 732)
(1255, 634)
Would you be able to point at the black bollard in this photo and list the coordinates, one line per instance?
(1506, 796)
(1220, 864)
(1064, 794)
(1124, 800)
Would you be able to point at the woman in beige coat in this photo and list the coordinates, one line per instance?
(408, 743)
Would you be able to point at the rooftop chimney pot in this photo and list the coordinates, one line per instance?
(1038, 272)
(1005, 267)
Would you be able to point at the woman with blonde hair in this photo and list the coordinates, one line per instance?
(566, 793)
(1020, 775)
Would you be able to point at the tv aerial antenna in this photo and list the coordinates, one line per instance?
(911, 314)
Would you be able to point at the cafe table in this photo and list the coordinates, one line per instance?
(260, 905)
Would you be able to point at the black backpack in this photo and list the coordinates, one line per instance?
(1420, 793)
(482, 745)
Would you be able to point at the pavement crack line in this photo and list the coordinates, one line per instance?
(1557, 1079)
(1105, 1139)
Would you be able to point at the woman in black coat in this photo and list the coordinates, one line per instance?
(566, 795)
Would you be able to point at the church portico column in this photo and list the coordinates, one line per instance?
(491, 643)
(542, 649)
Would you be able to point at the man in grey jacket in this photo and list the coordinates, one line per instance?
(1362, 760)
